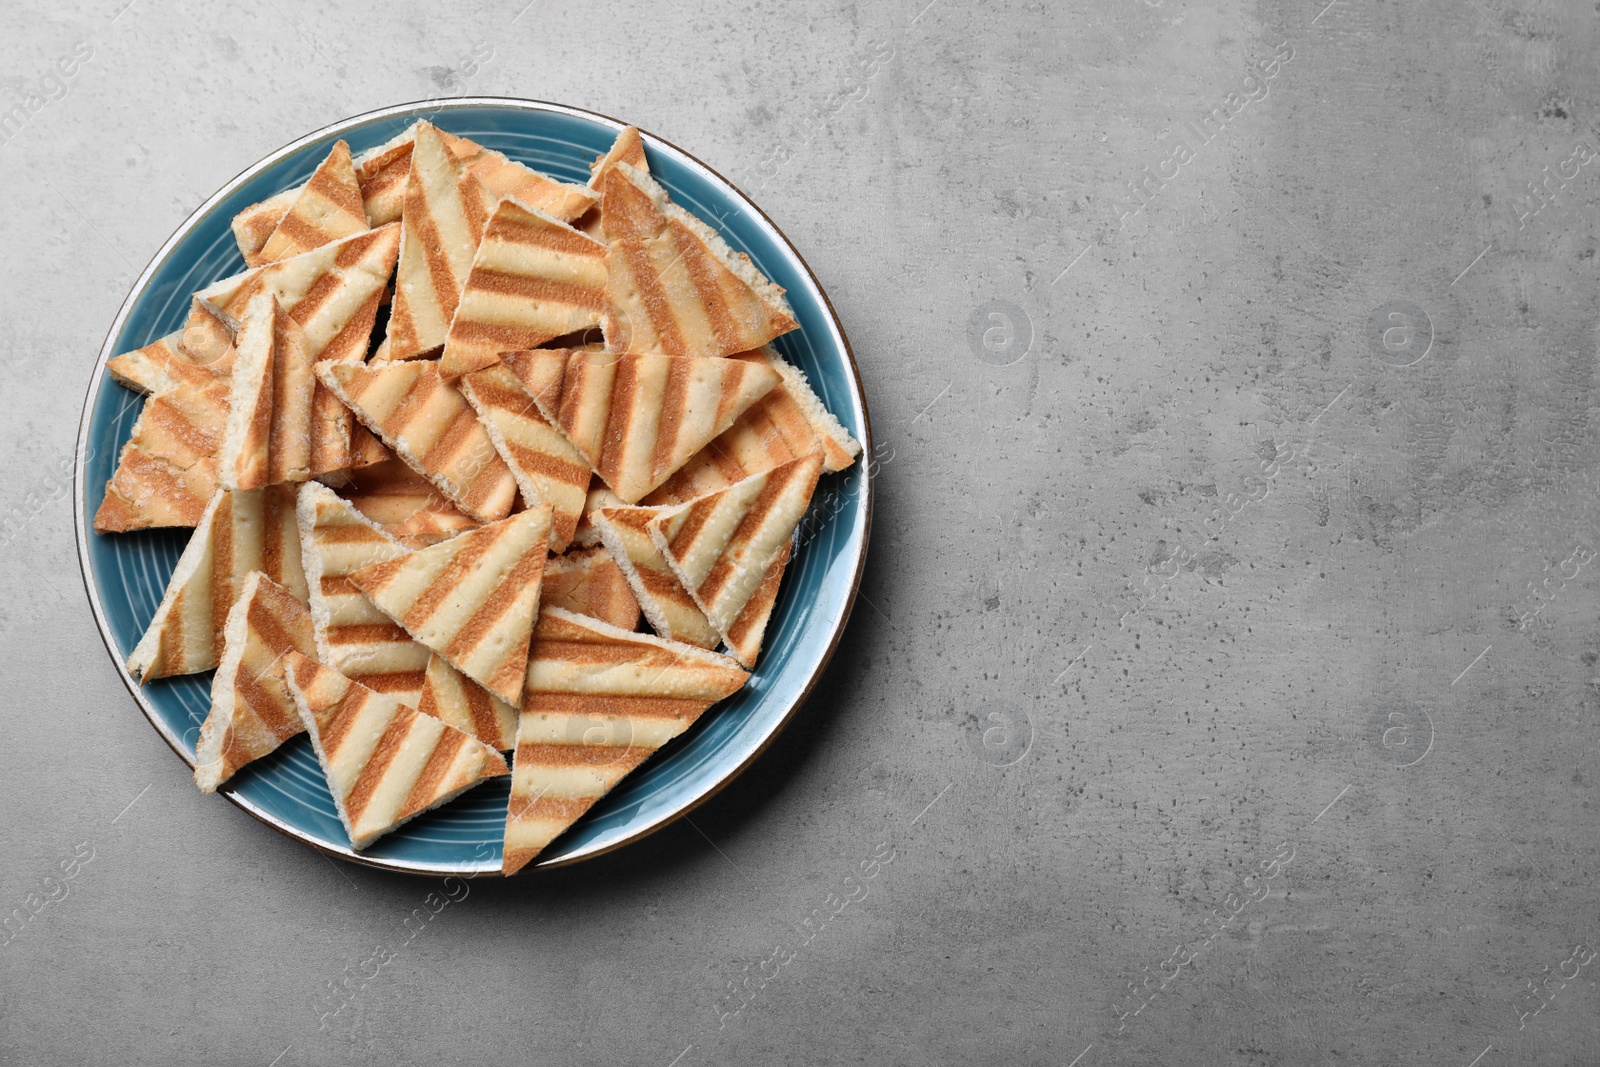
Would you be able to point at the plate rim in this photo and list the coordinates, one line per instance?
(205, 209)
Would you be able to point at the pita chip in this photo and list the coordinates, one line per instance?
(329, 207)
(504, 178)
(386, 763)
(167, 471)
(547, 467)
(268, 435)
(446, 212)
(450, 695)
(627, 148)
(238, 533)
(196, 355)
(587, 581)
(426, 423)
(723, 546)
(351, 634)
(405, 504)
(472, 599)
(787, 423)
(599, 701)
(533, 279)
(333, 291)
(380, 174)
(625, 533)
(675, 285)
(251, 711)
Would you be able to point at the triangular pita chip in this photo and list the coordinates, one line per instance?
(627, 148)
(167, 471)
(382, 173)
(405, 504)
(587, 581)
(548, 468)
(785, 424)
(366, 449)
(333, 292)
(237, 534)
(352, 635)
(675, 285)
(472, 599)
(639, 417)
(251, 711)
(839, 449)
(268, 436)
(722, 546)
(328, 208)
(198, 354)
(625, 533)
(598, 702)
(253, 225)
(533, 279)
(385, 762)
(424, 421)
(450, 695)
(745, 636)
(445, 215)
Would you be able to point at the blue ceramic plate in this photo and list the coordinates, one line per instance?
(126, 574)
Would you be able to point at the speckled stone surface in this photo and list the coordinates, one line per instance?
(1223, 689)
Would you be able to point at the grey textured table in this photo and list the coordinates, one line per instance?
(1223, 687)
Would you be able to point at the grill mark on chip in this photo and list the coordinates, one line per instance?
(371, 776)
(674, 402)
(543, 290)
(753, 521)
(433, 771)
(350, 705)
(551, 807)
(368, 633)
(591, 705)
(698, 266)
(614, 449)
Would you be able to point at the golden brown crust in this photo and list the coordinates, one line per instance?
(587, 581)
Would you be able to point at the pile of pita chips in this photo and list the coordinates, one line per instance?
(430, 543)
